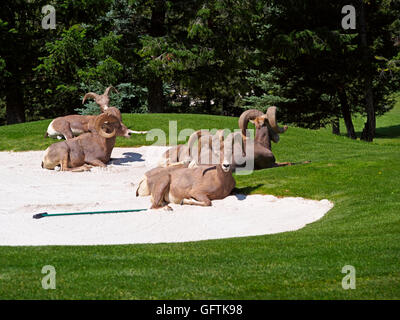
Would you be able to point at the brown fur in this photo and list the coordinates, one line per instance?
(266, 130)
(88, 149)
(66, 125)
(194, 186)
(73, 125)
(182, 152)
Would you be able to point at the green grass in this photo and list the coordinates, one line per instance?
(30, 136)
(388, 126)
(363, 230)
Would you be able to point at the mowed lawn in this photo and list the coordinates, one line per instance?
(362, 230)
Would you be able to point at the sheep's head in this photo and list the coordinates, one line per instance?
(230, 140)
(108, 126)
(113, 111)
(226, 166)
(124, 131)
(260, 120)
(103, 100)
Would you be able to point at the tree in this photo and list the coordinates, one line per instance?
(206, 56)
(20, 41)
(323, 68)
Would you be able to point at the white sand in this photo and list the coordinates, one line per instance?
(27, 189)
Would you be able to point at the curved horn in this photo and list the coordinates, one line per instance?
(196, 136)
(245, 117)
(106, 92)
(271, 116)
(229, 143)
(221, 136)
(100, 120)
(92, 95)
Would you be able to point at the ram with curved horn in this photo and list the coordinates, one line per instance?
(183, 153)
(267, 129)
(89, 149)
(73, 125)
(193, 186)
(209, 150)
(103, 100)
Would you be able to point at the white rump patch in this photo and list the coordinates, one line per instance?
(52, 133)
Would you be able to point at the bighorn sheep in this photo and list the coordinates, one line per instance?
(89, 149)
(182, 153)
(209, 150)
(143, 187)
(74, 125)
(211, 147)
(267, 129)
(193, 186)
(102, 100)
(246, 150)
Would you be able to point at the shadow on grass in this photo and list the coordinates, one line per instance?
(391, 132)
(240, 193)
(388, 132)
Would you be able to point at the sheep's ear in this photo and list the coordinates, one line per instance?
(252, 121)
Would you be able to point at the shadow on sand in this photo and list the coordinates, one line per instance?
(128, 157)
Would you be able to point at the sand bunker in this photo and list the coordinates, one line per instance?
(27, 189)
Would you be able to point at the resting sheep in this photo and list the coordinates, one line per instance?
(193, 186)
(74, 125)
(250, 153)
(89, 149)
(182, 153)
(267, 129)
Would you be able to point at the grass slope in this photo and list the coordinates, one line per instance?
(30, 136)
(363, 230)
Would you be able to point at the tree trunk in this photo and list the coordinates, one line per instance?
(156, 99)
(207, 105)
(157, 27)
(344, 105)
(13, 54)
(15, 108)
(368, 133)
(336, 126)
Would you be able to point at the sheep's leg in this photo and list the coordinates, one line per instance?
(164, 163)
(76, 169)
(176, 164)
(68, 134)
(158, 192)
(198, 200)
(85, 167)
(96, 163)
(66, 131)
(64, 162)
(65, 167)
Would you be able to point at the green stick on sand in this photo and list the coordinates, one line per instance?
(45, 214)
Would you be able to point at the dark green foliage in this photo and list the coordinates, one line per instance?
(214, 57)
